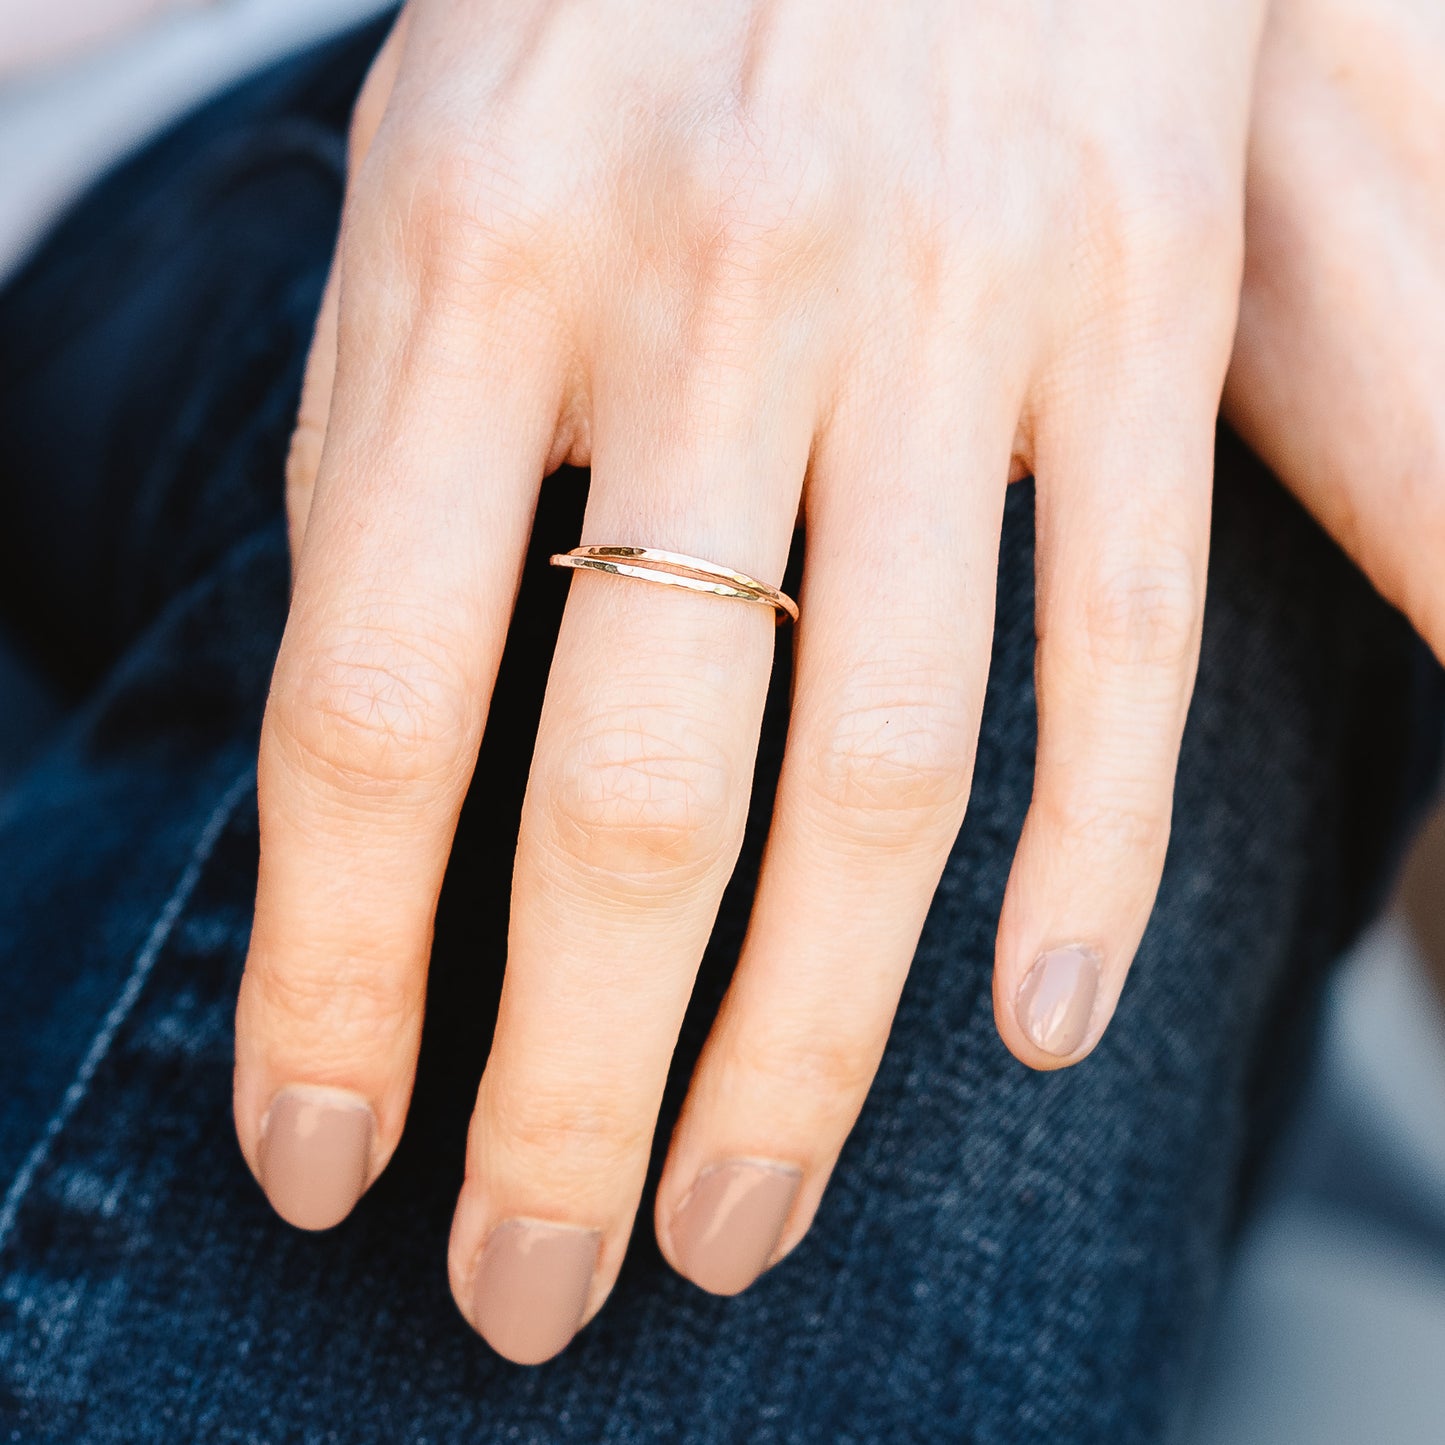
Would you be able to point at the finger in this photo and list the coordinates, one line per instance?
(303, 459)
(1124, 468)
(904, 511)
(1336, 298)
(634, 815)
(438, 433)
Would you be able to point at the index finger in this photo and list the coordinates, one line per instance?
(437, 441)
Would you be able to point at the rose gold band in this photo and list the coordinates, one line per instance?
(675, 569)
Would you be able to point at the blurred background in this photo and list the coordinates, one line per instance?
(1331, 1328)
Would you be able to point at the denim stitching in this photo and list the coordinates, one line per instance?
(119, 1011)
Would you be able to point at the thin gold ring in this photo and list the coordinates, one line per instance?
(676, 569)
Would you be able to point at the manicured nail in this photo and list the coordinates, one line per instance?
(726, 1229)
(315, 1154)
(1056, 1001)
(532, 1286)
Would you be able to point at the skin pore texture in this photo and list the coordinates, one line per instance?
(746, 261)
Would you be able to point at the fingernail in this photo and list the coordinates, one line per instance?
(1056, 1000)
(315, 1154)
(726, 1229)
(532, 1286)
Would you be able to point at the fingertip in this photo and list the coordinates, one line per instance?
(530, 1287)
(1058, 998)
(314, 1155)
(725, 1231)
(1052, 1012)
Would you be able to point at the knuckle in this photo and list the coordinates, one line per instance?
(762, 197)
(1118, 828)
(371, 710)
(644, 794)
(812, 1071)
(467, 225)
(455, 213)
(893, 768)
(1145, 613)
(587, 1130)
(1167, 214)
(336, 1001)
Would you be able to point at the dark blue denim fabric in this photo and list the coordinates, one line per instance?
(1004, 1257)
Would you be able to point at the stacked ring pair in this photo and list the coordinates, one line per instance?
(675, 569)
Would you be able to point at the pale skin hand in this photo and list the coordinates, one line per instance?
(733, 257)
(1338, 378)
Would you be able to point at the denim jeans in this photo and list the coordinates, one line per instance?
(1003, 1257)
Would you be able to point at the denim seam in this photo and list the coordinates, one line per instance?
(120, 1010)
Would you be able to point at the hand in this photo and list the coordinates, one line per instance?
(1338, 378)
(732, 256)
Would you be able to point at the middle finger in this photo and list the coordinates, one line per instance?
(632, 824)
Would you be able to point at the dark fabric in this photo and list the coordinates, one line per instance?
(1003, 1257)
(29, 713)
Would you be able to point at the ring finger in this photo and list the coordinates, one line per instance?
(892, 660)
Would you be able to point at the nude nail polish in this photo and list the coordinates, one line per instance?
(726, 1229)
(315, 1154)
(531, 1287)
(1056, 1001)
